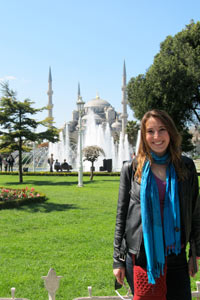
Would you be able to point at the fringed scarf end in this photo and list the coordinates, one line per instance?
(177, 250)
(151, 278)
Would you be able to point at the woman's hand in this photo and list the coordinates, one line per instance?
(191, 266)
(119, 274)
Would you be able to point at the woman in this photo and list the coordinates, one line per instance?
(158, 214)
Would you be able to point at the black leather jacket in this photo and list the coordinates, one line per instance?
(128, 220)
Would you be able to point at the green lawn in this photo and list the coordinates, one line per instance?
(72, 232)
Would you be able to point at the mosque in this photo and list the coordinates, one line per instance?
(102, 109)
(99, 115)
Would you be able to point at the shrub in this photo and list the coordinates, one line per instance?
(73, 173)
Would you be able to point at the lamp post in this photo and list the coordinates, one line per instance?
(34, 156)
(80, 105)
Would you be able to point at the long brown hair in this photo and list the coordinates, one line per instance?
(174, 147)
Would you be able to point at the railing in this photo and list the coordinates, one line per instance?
(51, 283)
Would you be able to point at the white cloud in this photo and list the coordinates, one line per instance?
(7, 77)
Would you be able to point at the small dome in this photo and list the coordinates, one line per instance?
(116, 125)
(97, 102)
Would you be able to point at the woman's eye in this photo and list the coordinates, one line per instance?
(150, 131)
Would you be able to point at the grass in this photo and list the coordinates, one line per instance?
(72, 232)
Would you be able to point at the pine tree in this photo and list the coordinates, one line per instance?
(17, 125)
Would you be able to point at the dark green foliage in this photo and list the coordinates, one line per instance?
(172, 83)
(132, 130)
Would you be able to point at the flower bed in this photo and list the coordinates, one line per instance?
(10, 198)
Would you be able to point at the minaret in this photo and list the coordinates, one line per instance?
(50, 93)
(79, 90)
(124, 115)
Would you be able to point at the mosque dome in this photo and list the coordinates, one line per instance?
(97, 102)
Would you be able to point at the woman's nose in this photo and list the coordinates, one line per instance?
(156, 134)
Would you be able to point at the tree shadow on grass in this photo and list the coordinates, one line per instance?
(47, 207)
(110, 180)
(52, 183)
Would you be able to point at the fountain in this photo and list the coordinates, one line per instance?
(35, 160)
(94, 134)
(138, 141)
(62, 149)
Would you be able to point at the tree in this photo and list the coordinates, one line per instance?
(18, 128)
(132, 128)
(91, 153)
(172, 82)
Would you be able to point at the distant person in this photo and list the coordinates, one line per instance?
(50, 162)
(65, 166)
(1, 161)
(10, 161)
(57, 165)
(133, 155)
(5, 164)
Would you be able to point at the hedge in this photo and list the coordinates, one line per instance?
(62, 173)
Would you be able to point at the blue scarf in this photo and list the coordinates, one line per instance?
(159, 240)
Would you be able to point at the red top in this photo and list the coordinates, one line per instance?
(161, 191)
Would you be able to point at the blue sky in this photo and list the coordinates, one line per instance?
(83, 41)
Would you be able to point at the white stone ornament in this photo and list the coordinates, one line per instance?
(13, 293)
(196, 294)
(90, 291)
(51, 282)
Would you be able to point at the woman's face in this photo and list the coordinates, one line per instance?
(157, 136)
